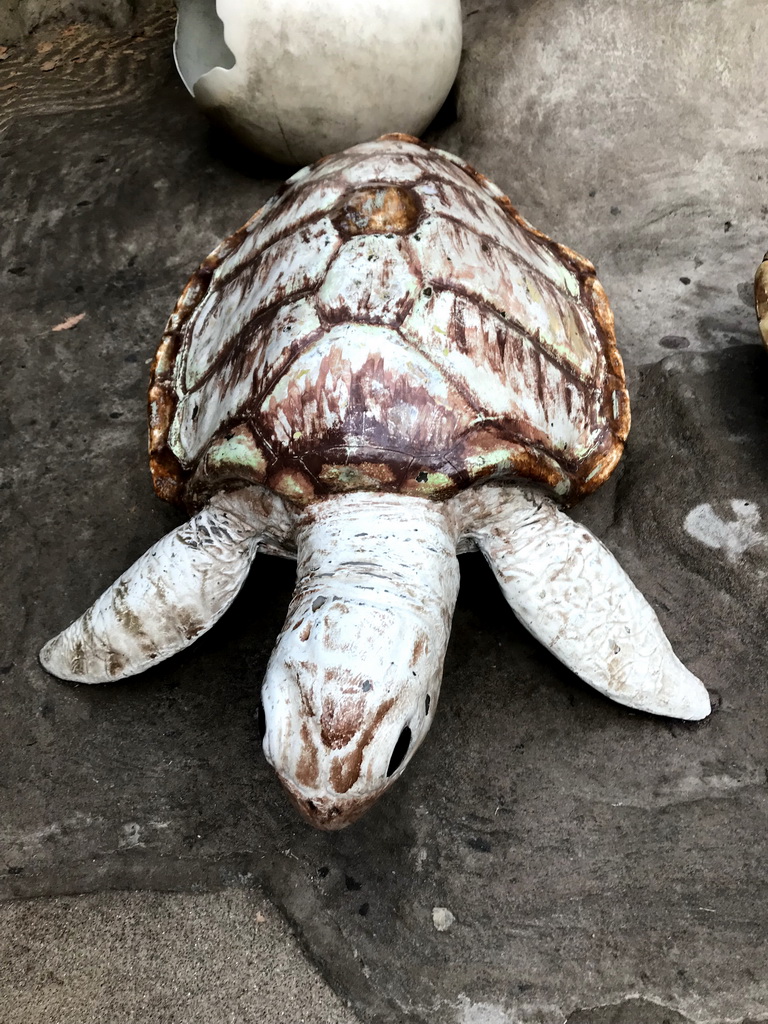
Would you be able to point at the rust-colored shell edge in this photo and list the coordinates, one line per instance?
(761, 299)
(169, 477)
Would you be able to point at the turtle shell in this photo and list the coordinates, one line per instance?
(387, 321)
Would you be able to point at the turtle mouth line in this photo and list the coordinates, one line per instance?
(329, 812)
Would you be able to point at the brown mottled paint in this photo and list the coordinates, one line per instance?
(385, 300)
(331, 812)
(340, 719)
(761, 298)
(345, 769)
(299, 472)
(356, 475)
(168, 475)
(378, 209)
(506, 323)
(303, 471)
(293, 483)
(596, 300)
(403, 137)
(329, 815)
(127, 618)
(430, 430)
(520, 462)
(593, 294)
(237, 348)
(421, 645)
(286, 287)
(307, 768)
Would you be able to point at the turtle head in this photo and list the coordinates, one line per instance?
(349, 695)
(352, 686)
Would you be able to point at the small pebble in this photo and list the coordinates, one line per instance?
(442, 918)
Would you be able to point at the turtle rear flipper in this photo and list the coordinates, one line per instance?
(571, 593)
(171, 595)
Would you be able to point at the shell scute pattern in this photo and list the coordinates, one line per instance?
(483, 216)
(399, 162)
(509, 381)
(388, 321)
(372, 280)
(490, 275)
(286, 269)
(275, 221)
(272, 346)
(355, 392)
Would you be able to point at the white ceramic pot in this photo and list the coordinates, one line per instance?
(297, 79)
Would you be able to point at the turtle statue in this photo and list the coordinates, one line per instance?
(386, 366)
(761, 299)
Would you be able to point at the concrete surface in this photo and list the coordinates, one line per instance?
(602, 867)
(20, 17)
(156, 958)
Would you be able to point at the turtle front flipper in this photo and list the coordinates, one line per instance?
(571, 593)
(171, 595)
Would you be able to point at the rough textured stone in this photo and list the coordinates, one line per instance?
(631, 1011)
(20, 17)
(590, 856)
(157, 958)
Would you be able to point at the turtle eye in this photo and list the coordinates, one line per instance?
(401, 749)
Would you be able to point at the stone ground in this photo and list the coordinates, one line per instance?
(603, 867)
(155, 958)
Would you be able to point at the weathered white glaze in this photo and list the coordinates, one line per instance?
(296, 79)
(171, 595)
(571, 593)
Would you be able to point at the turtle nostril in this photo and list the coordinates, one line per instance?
(401, 749)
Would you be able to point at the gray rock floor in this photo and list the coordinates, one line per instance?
(156, 958)
(602, 867)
